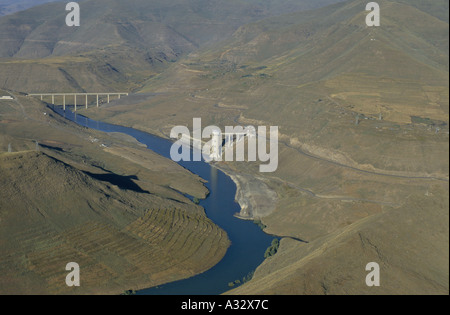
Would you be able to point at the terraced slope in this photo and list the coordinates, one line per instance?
(59, 205)
(363, 128)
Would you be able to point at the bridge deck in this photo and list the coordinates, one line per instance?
(75, 95)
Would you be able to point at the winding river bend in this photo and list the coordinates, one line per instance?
(248, 241)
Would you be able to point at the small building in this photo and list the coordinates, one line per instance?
(6, 98)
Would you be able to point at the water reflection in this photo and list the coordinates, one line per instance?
(248, 241)
(213, 176)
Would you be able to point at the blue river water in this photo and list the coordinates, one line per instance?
(248, 241)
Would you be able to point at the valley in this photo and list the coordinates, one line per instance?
(363, 151)
(71, 197)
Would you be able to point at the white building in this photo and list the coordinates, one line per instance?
(6, 98)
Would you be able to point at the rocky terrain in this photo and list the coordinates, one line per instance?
(69, 199)
(363, 117)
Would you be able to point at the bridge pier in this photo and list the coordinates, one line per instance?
(216, 146)
(229, 140)
(86, 98)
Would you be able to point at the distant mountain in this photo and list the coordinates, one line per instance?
(278, 7)
(172, 27)
(12, 6)
(331, 49)
(120, 42)
(363, 115)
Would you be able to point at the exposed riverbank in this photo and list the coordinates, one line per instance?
(248, 241)
(255, 198)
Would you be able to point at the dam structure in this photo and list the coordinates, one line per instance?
(84, 97)
(220, 142)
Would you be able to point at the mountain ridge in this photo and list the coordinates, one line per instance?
(137, 38)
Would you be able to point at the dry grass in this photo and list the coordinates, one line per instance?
(52, 211)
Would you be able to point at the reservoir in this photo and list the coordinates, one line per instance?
(248, 241)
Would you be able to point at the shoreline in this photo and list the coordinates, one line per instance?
(248, 198)
(254, 197)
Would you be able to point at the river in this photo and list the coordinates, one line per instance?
(248, 241)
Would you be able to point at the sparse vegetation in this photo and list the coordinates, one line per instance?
(259, 223)
(245, 279)
(63, 180)
(273, 248)
(345, 189)
(248, 277)
(426, 121)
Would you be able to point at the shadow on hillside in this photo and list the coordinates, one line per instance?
(123, 182)
(51, 147)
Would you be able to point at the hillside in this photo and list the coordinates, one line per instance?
(116, 211)
(363, 116)
(363, 121)
(335, 87)
(408, 243)
(12, 6)
(119, 43)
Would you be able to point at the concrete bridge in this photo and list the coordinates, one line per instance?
(75, 96)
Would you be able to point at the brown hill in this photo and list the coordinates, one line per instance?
(12, 6)
(74, 201)
(363, 120)
(120, 43)
(409, 244)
